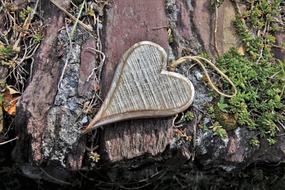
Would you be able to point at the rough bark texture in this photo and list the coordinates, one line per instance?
(202, 23)
(142, 20)
(46, 112)
(39, 95)
(50, 105)
(86, 66)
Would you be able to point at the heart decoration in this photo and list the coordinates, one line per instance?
(143, 88)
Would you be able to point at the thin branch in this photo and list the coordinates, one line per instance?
(8, 141)
(77, 20)
(101, 62)
(88, 28)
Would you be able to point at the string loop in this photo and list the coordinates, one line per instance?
(212, 85)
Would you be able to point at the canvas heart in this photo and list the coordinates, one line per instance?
(142, 88)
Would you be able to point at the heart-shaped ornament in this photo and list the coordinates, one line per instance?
(143, 88)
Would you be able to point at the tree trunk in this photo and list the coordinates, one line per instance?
(50, 112)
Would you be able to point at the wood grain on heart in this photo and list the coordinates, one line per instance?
(142, 88)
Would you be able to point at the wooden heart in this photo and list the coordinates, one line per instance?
(142, 88)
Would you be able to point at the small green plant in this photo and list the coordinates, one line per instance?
(271, 141)
(38, 37)
(6, 53)
(219, 130)
(256, 27)
(25, 12)
(222, 105)
(254, 142)
(189, 116)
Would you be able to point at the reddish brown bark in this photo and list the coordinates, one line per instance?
(128, 23)
(87, 64)
(38, 98)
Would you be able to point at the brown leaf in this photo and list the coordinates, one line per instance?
(10, 99)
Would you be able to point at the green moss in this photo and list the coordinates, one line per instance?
(258, 76)
(259, 103)
(254, 142)
(219, 130)
(256, 27)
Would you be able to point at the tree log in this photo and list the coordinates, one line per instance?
(47, 113)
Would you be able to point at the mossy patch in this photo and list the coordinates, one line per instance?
(258, 76)
(259, 103)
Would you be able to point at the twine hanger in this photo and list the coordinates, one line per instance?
(198, 59)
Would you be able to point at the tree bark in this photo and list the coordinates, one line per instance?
(49, 113)
(142, 21)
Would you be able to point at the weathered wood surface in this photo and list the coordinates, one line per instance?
(39, 96)
(44, 121)
(143, 88)
(214, 27)
(127, 23)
